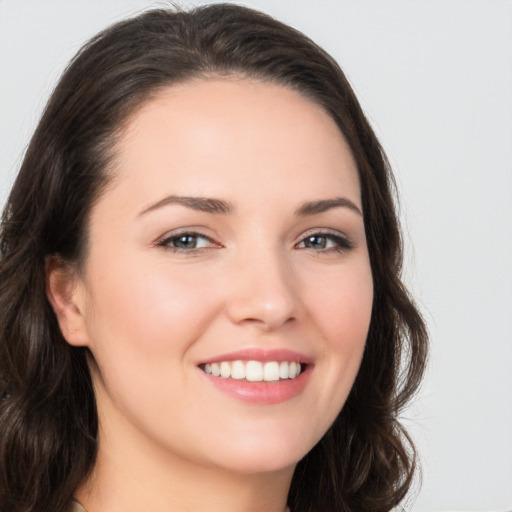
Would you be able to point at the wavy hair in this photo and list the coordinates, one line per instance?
(48, 418)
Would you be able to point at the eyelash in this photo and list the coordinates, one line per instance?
(166, 242)
(341, 242)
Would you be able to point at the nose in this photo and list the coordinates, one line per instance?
(262, 291)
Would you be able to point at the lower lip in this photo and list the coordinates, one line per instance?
(262, 392)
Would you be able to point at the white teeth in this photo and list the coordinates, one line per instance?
(283, 370)
(215, 369)
(237, 370)
(271, 371)
(225, 370)
(254, 371)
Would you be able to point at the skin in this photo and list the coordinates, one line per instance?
(169, 439)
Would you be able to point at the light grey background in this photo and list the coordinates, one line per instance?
(435, 78)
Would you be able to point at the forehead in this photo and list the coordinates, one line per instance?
(225, 136)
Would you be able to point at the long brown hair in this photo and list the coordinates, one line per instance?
(48, 433)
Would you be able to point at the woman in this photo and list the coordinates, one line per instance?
(200, 282)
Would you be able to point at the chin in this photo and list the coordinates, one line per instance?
(260, 465)
(250, 456)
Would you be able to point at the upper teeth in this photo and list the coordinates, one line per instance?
(254, 370)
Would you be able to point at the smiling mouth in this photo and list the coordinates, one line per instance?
(254, 371)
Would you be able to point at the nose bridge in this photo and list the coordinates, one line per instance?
(262, 290)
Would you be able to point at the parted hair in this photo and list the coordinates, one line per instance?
(48, 417)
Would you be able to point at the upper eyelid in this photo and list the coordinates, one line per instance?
(325, 232)
(196, 231)
(185, 232)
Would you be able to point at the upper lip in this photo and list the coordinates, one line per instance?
(258, 354)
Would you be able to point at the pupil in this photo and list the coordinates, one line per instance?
(186, 242)
(317, 242)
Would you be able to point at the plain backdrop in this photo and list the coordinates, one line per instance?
(435, 79)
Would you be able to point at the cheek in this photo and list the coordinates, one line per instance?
(148, 314)
(348, 318)
(141, 326)
(342, 304)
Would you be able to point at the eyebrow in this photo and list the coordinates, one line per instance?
(315, 207)
(219, 206)
(202, 204)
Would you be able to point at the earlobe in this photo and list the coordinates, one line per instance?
(66, 297)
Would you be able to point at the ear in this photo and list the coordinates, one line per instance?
(66, 295)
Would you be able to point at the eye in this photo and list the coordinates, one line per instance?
(187, 242)
(325, 242)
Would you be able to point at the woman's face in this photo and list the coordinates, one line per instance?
(230, 239)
